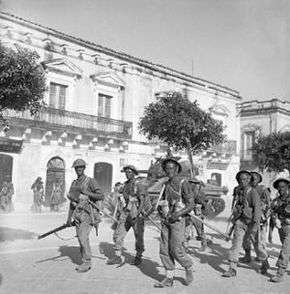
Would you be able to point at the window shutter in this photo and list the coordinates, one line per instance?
(62, 92)
(100, 105)
(52, 95)
(108, 107)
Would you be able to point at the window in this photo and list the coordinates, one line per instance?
(249, 138)
(104, 105)
(57, 95)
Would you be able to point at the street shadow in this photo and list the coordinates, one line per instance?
(148, 267)
(9, 234)
(65, 252)
(71, 252)
(215, 258)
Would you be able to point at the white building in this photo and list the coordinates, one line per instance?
(95, 99)
(261, 118)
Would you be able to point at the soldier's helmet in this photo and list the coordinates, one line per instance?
(78, 163)
(131, 167)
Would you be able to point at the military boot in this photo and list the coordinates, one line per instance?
(167, 282)
(117, 259)
(138, 259)
(188, 275)
(264, 267)
(84, 267)
(231, 272)
(247, 258)
(279, 277)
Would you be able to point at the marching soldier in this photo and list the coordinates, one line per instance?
(260, 238)
(131, 203)
(281, 214)
(85, 196)
(247, 215)
(176, 202)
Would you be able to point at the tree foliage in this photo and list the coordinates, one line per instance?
(22, 82)
(181, 124)
(272, 152)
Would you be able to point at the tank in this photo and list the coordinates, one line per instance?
(156, 178)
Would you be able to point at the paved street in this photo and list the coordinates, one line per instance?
(31, 266)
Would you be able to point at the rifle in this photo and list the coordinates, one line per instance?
(60, 228)
(224, 236)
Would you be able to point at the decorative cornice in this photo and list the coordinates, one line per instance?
(62, 65)
(124, 57)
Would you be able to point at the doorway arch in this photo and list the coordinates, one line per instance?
(103, 172)
(6, 167)
(55, 174)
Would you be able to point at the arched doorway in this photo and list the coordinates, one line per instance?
(103, 174)
(55, 176)
(6, 165)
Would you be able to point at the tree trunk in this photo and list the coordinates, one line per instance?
(189, 154)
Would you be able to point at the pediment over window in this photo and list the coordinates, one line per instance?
(63, 66)
(109, 79)
(219, 109)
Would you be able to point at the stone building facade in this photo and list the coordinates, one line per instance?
(261, 118)
(95, 99)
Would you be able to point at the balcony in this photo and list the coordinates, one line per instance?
(73, 121)
(229, 147)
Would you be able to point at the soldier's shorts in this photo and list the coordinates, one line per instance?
(241, 231)
(171, 245)
(125, 223)
(284, 234)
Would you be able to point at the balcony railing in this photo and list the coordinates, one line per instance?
(229, 147)
(66, 118)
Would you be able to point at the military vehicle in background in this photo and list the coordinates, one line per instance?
(156, 176)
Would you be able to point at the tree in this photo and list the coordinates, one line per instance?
(272, 152)
(22, 82)
(181, 124)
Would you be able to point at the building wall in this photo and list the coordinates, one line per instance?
(263, 118)
(88, 70)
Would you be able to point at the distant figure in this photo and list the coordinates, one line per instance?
(6, 194)
(56, 196)
(38, 195)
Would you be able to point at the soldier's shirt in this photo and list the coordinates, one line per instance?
(264, 194)
(252, 198)
(178, 190)
(133, 188)
(129, 189)
(278, 205)
(86, 183)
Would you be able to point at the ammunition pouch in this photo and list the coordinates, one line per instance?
(84, 212)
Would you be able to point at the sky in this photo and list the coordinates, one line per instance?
(241, 44)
